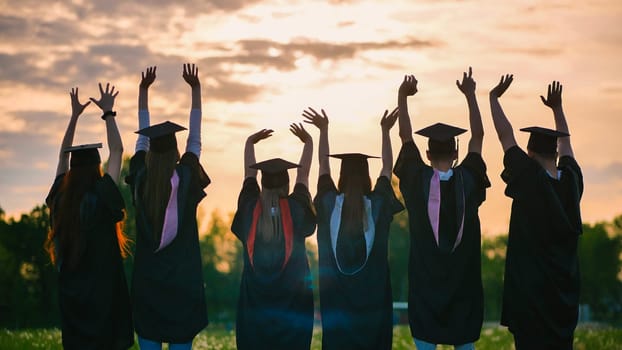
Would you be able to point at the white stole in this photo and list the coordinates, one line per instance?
(171, 220)
(335, 223)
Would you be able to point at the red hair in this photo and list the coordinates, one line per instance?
(64, 236)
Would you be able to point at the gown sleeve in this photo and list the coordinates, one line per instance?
(384, 188)
(516, 173)
(306, 223)
(324, 184)
(408, 164)
(567, 163)
(325, 197)
(476, 166)
(108, 191)
(408, 160)
(49, 200)
(137, 164)
(246, 202)
(199, 179)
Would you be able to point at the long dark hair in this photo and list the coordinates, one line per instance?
(65, 232)
(354, 183)
(270, 226)
(157, 187)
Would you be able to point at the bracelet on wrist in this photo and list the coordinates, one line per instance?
(108, 113)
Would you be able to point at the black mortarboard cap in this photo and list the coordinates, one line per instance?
(543, 140)
(274, 172)
(353, 162)
(161, 136)
(441, 137)
(351, 156)
(82, 155)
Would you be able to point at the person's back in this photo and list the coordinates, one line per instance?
(86, 242)
(168, 296)
(275, 305)
(445, 289)
(541, 284)
(352, 237)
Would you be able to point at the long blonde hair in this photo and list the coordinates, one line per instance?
(157, 187)
(270, 223)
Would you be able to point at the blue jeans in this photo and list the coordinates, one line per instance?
(146, 344)
(424, 345)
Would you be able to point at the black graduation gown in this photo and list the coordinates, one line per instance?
(168, 294)
(541, 285)
(275, 306)
(445, 298)
(356, 308)
(93, 296)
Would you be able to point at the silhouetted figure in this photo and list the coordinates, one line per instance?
(445, 299)
(353, 237)
(168, 296)
(275, 306)
(86, 242)
(541, 284)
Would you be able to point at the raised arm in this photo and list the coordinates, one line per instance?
(249, 151)
(321, 122)
(407, 88)
(554, 101)
(386, 123)
(147, 78)
(191, 76)
(467, 86)
(115, 145)
(76, 109)
(307, 153)
(501, 122)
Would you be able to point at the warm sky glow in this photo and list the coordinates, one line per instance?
(262, 62)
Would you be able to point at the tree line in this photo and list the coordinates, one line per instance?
(28, 280)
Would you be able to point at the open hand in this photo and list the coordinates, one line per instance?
(388, 119)
(148, 77)
(408, 86)
(76, 107)
(503, 85)
(191, 75)
(260, 135)
(313, 117)
(554, 95)
(106, 101)
(468, 84)
(299, 130)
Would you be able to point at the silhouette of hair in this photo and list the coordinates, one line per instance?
(441, 150)
(157, 187)
(64, 236)
(354, 183)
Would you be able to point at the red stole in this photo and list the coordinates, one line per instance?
(288, 230)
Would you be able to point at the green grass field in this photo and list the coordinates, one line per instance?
(492, 338)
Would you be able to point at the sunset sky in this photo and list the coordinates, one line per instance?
(262, 62)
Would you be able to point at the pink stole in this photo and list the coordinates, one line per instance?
(169, 227)
(288, 231)
(434, 209)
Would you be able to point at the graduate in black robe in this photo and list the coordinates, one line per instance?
(275, 306)
(445, 299)
(353, 237)
(86, 242)
(541, 284)
(168, 295)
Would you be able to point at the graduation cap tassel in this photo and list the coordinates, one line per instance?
(457, 152)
